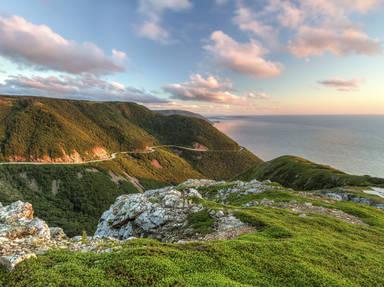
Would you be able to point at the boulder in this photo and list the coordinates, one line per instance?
(21, 235)
(16, 211)
(10, 262)
(57, 233)
(167, 213)
(157, 213)
(17, 222)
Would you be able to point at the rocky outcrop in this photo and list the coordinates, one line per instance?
(304, 209)
(156, 213)
(22, 236)
(194, 210)
(19, 229)
(245, 188)
(346, 194)
(163, 214)
(17, 222)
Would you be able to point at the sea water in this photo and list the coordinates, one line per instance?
(354, 144)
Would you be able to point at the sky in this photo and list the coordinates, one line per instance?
(215, 57)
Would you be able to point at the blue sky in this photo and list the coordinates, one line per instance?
(213, 57)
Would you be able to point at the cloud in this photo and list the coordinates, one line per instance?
(210, 89)
(245, 58)
(154, 31)
(328, 27)
(119, 54)
(221, 2)
(258, 96)
(248, 21)
(158, 6)
(312, 41)
(153, 10)
(290, 16)
(342, 85)
(312, 27)
(85, 86)
(337, 8)
(39, 46)
(198, 88)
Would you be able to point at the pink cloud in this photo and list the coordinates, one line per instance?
(212, 90)
(248, 21)
(246, 58)
(258, 96)
(208, 89)
(342, 85)
(290, 15)
(119, 54)
(315, 27)
(85, 86)
(39, 46)
(312, 41)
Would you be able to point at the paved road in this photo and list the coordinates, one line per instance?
(115, 154)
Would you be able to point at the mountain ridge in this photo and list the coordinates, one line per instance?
(33, 128)
(44, 130)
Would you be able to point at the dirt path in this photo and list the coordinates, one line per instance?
(115, 154)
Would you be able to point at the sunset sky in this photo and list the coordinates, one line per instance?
(212, 57)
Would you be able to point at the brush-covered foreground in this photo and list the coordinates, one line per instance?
(300, 239)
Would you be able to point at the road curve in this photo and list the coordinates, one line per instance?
(114, 155)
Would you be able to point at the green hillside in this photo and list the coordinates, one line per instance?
(33, 128)
(74, 196)
(299, 173)
(44, 129)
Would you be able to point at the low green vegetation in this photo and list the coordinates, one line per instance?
(72, 197)
(161, 166)
(221, 165)
(35, 128)
(301, 174)
(285, 249)
(201, 222)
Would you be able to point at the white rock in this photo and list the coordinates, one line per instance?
(15, 211)
(57, 233)
(10, 262)
(156, 213)
(193, 193)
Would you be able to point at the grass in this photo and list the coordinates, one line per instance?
(221, 165)
(201, 222)
(301, 174)
(286, 250)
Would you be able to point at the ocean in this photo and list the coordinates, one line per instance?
(354, 144)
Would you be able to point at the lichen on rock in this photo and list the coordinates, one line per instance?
(158, 213)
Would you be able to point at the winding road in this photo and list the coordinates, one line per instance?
(115, 154)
